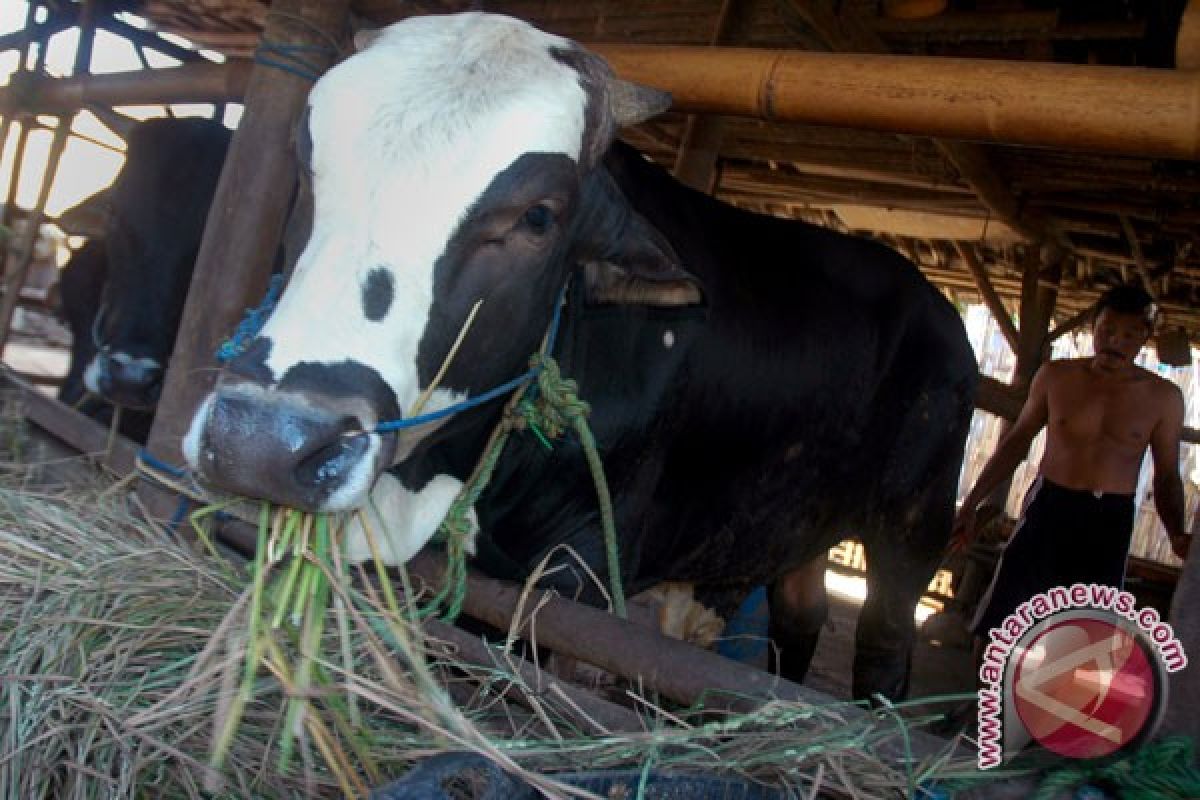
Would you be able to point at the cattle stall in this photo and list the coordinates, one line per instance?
(776, 109)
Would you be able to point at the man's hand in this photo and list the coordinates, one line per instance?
(963, 532)
(1180, 543)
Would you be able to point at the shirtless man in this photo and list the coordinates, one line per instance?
(1100, 414)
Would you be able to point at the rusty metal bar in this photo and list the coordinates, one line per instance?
(586, 709)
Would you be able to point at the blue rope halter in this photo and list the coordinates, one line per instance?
(392, 425)
(255, 318)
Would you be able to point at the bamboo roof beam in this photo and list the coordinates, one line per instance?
(846, 33)
(1126, 110)
(200, 81)
(1120, 110)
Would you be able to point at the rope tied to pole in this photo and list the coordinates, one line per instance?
(305, 61)
(251, 323)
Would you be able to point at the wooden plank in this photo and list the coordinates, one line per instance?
(700, 147)
(78, 431)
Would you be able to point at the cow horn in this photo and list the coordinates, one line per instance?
(632, 103)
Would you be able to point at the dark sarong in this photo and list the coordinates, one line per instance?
(1065, 536)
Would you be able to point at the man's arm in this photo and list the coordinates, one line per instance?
(1168, 486)
(1010, 452)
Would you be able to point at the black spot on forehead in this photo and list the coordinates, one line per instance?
(377, 293)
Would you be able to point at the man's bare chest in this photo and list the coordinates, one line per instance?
(1121, 415)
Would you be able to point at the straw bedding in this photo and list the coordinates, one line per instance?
(136, 666)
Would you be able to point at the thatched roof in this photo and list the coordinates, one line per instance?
(1119, 217)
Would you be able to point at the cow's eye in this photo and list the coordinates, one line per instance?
(538, 219)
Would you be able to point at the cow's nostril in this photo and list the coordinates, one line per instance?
(289, 451)
(329, 466)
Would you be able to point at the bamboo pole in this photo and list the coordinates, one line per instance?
(1150, 112)
(15, 276)
(30, 31)
(587, 710)
(245, 222)
(979, 274)
(1121, 110)
(198, 82)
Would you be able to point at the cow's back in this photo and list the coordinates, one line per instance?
(823, 378)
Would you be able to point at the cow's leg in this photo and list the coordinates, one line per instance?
(886, 631)
(799, 608)
(903, 551)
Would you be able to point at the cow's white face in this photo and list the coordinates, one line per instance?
(447, 161)
(403, 145)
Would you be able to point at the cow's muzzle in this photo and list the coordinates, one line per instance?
(284, 448)
(125, 380)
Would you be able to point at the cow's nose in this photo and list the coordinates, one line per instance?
(299, 455)
(125, 380)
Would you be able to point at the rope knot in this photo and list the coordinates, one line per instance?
(251, 323)
(557, 407)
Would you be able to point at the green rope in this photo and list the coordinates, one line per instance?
(550, 412)
(558, 407)
(1163, 770)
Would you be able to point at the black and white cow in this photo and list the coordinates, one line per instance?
(158, 207)
(760, 388)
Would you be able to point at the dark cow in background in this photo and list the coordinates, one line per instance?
(123, 295)
(81, 285)
(760, 388)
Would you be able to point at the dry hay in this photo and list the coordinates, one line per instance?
(123, 653)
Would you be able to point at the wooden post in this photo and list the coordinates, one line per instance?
(1184, 688)
(990, 298)
(14, 277)
(696, 161)
(245, 223)
(1187, 42)
(1181, 717)
(1037, 310)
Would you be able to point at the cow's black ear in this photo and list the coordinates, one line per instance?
(641, 269)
